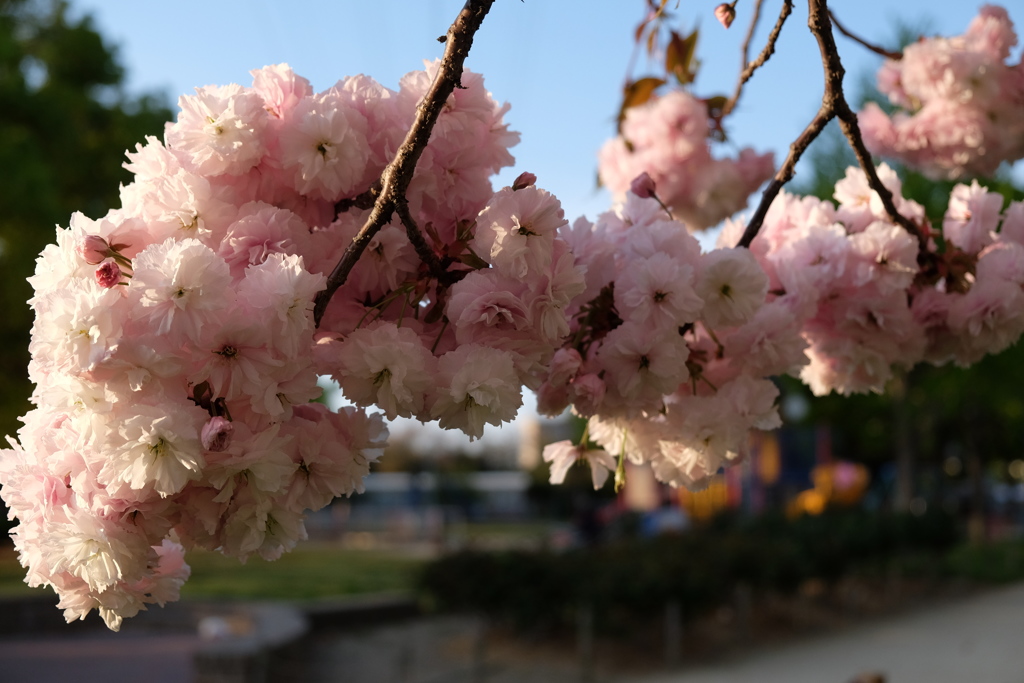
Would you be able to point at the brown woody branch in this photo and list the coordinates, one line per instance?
(362, 201)
(821, 27)
(878, 50)
(833, 105)
(769, 49)
(395, 179)
(755, 17)
(785, 173)
(419, 243)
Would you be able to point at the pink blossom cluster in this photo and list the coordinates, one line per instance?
(458, 354)
(864, 297)
(669, 350)
(174, 351)
(670, 356)
(668, 138)
(959, 102)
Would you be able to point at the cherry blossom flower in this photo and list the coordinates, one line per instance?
(220, 129)
(564, 454)
(732, 286)
(972, 217)
(387, 366)
(324, 150)
(667, 138)
(180, 286)
(476, 385)
(961, 102)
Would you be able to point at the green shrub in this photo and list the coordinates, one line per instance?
(633, 579)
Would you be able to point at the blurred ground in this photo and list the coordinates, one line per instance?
(98, 657)
(975, 639)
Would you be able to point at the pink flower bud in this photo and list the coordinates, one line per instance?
(725, 14)
(587, 393)
(93, 249)
(552, 399)
(108, 275)
(525, 180)
(217, 434)
(564, 365)
(642, 186)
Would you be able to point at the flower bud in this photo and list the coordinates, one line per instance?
(93, 249)
(217, 434)
(587, 393)
(564, 365)
(725, 14)
(525, 180)
(108, 275)
(642, 186)
(552, 399)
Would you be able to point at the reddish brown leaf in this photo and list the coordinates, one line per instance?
(639, 33)
(715, 105)
(679, 57)
(638, 92)
(472, 260)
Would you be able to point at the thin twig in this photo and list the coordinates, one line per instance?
(889, 54)
(362, 201)
(398, 174)
(423, 250)
(769, 49)
(833, 105)
(755, 17)
(821, 27)
(785, 173)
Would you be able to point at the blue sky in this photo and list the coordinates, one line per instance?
(560, 63)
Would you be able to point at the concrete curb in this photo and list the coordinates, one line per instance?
(245, 653)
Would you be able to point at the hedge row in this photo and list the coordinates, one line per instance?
(699, 569)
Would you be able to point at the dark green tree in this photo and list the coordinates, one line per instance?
(65, 123)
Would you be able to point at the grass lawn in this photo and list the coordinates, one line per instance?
(308, 572)
(12, 574)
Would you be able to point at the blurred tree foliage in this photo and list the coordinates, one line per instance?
(65, 124)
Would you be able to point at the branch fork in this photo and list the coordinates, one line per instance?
(833, 105)
(394, 181)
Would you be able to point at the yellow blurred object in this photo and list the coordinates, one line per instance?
(809, 502)
(844, 482)
(769, 457)
(705, 504)
(836, 483)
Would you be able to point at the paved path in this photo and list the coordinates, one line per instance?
(973, 640)
(98, 657)
(425, 650)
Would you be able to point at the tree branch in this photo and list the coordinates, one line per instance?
(423, 250)
(785, 172)
(755, 17)
(833, 105)
(398, 174)
(769, 49)
(362, 201)
(821, 27)
(889, 54)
